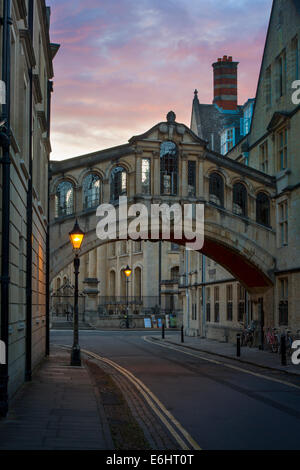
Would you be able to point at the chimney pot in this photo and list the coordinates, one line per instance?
(225, 58)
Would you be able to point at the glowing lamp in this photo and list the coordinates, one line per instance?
(127, 271)
(76, 236)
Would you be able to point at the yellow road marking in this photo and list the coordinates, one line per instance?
(154, 403)
(230, 366)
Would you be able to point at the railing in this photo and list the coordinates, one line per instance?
(148, 305)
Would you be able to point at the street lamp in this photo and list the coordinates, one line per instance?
(127, 272)
(76, 238)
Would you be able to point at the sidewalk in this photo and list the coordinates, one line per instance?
(59, 409)
(251, 356)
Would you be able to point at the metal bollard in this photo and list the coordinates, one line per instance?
(238, 345)
(283, 350)
(163, 331)
(182, 335)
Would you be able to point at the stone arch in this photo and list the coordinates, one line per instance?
(138, 280)
(87, 171)
(60, 179)
(113, 165)
(112, 281)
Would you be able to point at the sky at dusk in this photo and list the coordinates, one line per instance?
(123, 64)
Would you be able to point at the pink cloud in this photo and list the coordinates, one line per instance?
(123, 65)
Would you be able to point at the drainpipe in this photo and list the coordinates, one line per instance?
(203, 296)
(187, 280)
(28, 340)
(47, 349)
(5, 161)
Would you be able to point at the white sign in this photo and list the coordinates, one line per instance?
(2, 353)
(147, 323)
(296, 354)
(2, 92)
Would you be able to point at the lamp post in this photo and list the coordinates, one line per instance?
(127, 272)
(76, 238)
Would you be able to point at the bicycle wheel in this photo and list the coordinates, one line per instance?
(123, 324)
(132, 324)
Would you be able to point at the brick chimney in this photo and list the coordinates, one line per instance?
(225, 83)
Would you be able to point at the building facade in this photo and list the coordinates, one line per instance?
(27, 73)
(266, 140)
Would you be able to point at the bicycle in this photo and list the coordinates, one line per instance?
(131, 323)
(271, 340)
(247, 337)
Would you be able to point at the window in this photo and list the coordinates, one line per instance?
(137, 246)
(112, 249)
(118, 183)
(191, 178)
(208, 304)
(283, 302)
(268, 86)
(175, 273)
(263, 209)
(281, 74)
(175, 247)
(283, 222)
(168, 168)
(91, 191)
(217, 305)
(240, 199)
(216, 189)
(112, 283)
(138, 282)
(229, 302)
(282, 142)
(194, 312)
(241, 303)
(227, 140)
(64, 199)
(123, 247)
(295, 58)
(264, 157)
(146, 175)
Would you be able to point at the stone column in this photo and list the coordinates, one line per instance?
(156, 175)
(201, 179)
(138, 172)
(184, 174)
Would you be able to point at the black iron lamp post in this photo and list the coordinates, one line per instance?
(127, 272)
(76, 238)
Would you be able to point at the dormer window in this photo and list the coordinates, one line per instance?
(227, 140)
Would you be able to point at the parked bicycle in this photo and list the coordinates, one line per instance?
(131, 323)
(272, 339)
(247, 337)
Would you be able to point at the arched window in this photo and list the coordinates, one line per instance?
(216, 189)
(64, 199)
(168, 168)
(263, 209)
(138, 282)
(240, 199)
(112, 283)
(91, 191)
(123, 285)
(118, 183)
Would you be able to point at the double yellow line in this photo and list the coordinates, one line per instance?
(181, 436)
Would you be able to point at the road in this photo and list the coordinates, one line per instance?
(220, 406)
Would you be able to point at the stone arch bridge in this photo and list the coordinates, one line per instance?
(170, 164)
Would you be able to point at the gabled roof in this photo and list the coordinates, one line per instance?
(210, 120)
(277, 117)
(146, 134)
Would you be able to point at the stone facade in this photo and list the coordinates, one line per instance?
(271, 146)
(31, 71)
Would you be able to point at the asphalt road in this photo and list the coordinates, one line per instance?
(221, 408)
